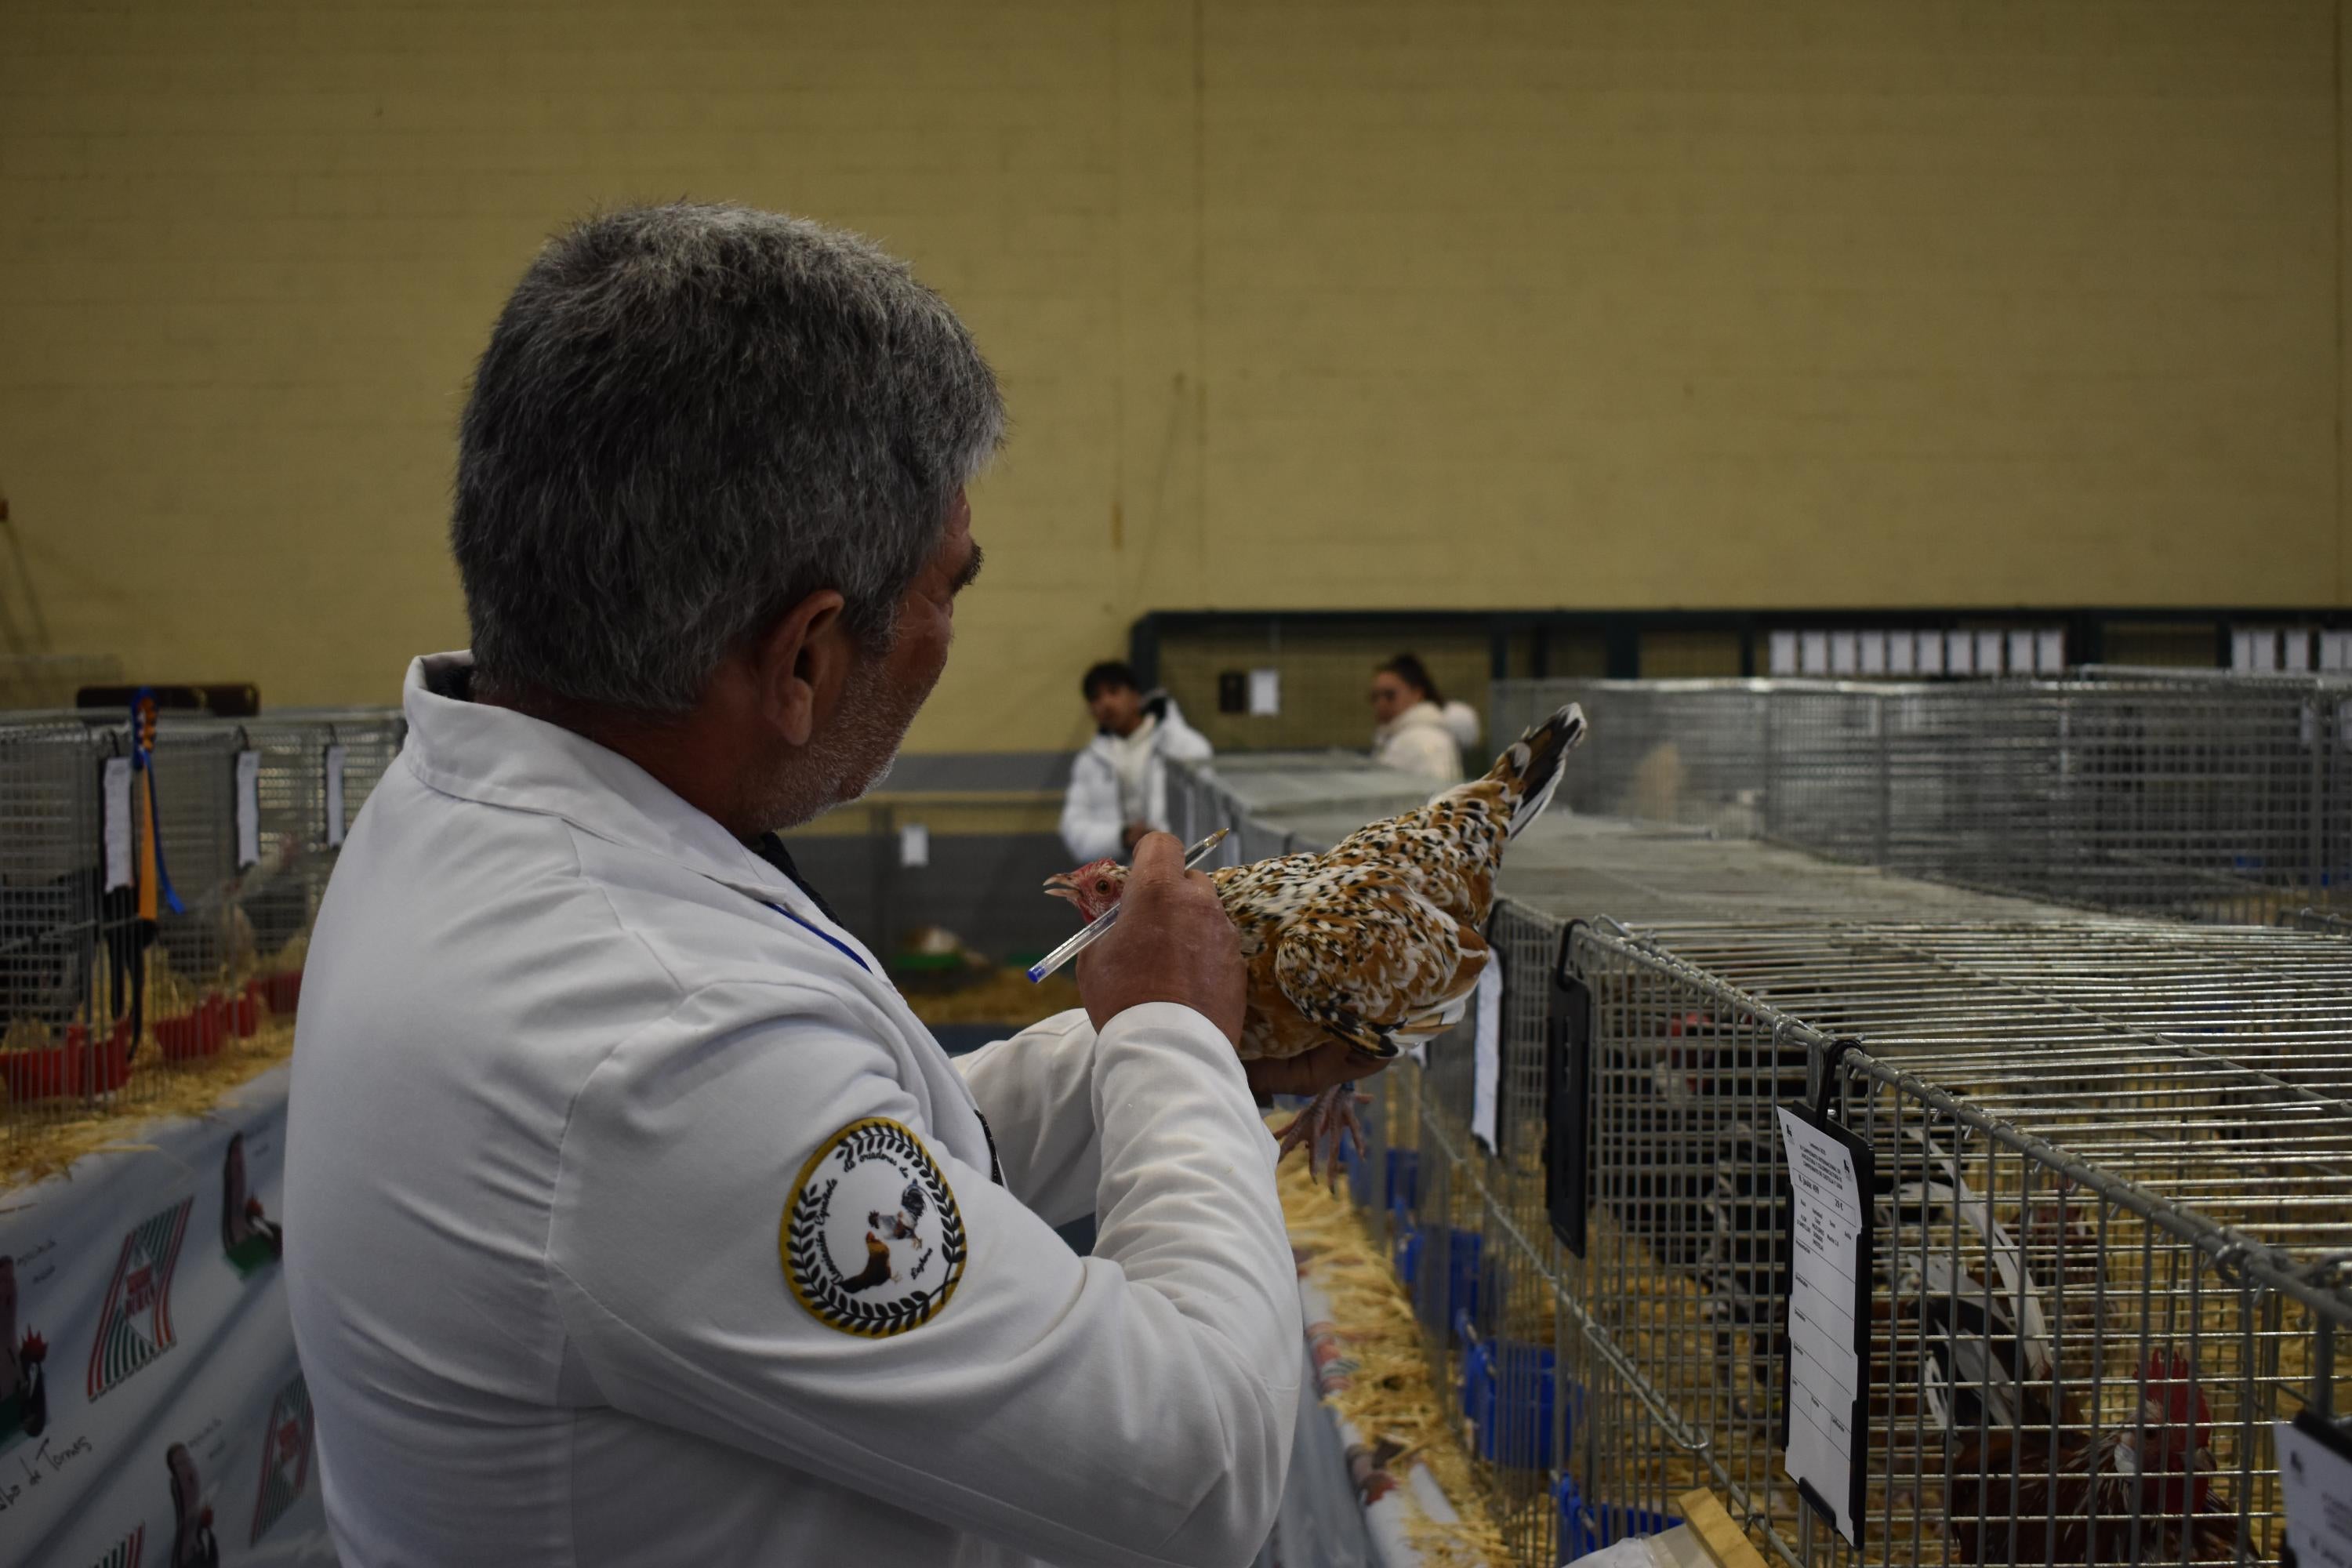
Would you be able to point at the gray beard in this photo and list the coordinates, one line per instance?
(853, 754)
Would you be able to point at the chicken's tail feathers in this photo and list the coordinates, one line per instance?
(1531, 769)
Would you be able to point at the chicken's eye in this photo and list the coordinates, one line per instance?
(1102, 884)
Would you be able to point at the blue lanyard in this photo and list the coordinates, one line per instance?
(821, 935)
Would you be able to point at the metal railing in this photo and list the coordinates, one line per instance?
(2112, 1208)
(100, 1007)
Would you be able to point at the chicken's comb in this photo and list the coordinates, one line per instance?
(2172, 1388)
(34, 1347)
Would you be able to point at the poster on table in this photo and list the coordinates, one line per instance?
(151, 1412)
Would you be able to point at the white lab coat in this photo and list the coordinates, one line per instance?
(1094, 817)
(567, 1053)
(1419, 740)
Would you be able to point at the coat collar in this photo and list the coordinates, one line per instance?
(475, 752)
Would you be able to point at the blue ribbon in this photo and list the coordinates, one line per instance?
(143, 759)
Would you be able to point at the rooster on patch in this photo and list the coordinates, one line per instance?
(1376, 941)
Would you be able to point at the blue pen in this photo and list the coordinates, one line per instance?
(1103, 921)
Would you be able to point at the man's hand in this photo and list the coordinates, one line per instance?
(1172, 943)
(1311, 1072)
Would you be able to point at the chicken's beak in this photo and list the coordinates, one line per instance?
(1059, 886)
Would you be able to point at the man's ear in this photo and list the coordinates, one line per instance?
(800, 664)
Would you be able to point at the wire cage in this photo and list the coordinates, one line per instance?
(2112, 1201)
(2217, 798)
(2112, 1182)
(99, 1008)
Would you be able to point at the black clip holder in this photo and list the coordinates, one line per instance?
(1568, 1098)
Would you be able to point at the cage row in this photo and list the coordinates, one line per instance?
(2111, 1185)
(2217, 798)
(157, 886)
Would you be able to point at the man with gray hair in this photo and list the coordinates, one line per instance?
(639, 1220)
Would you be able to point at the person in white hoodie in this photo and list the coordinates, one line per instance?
(1119, 784)
(1417, 730)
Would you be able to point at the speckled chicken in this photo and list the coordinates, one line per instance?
(1376, 941)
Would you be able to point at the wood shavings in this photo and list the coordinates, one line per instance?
(1007, 997)
(1388, 1394)
(43, 1138)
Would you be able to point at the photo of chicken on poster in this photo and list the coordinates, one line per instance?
(155, 1412)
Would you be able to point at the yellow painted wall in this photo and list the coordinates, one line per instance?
(1529, 303)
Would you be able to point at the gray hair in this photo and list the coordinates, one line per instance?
(688, 419)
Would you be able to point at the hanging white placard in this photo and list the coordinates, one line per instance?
(248, 808)
(2315, 1460)
(115, 793)
(1487, 1055)
(1829, 1294)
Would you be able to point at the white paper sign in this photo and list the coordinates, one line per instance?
(2317, 1484)
(1824, 1370)
(248, 809)
(1874, 653)
(1845, 652)
(1784, 653)
(1959, 653)
(1814, 653)
(1265, 692)
(2020, 653)
(1988, 653)
(334, 795)
(1487, 1055)
(2050, 653)
(2335, 650)
(116, 794)
(2296, 646)
(914, 844)
(1931, 653)
(1899, 646)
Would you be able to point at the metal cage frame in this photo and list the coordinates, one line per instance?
(99, 1006)
(2142, 1128)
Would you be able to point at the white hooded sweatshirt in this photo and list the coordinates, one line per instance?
(1420, 741)
(1119, 779)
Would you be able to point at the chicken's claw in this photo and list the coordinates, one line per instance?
(1319, 1126)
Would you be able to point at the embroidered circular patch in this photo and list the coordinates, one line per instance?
(872, 1242)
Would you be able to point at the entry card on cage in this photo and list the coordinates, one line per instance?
(115, 797)
(248, 808)
(2314, 1461)
(1486, 1056)
(1829, 1316)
